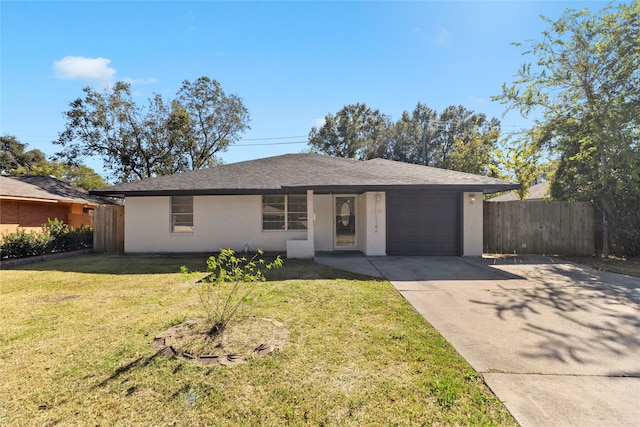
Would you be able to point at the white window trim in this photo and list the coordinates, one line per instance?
(171, 217)
(286, 215)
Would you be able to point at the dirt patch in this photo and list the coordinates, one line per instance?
(57, 298)
(239, 342)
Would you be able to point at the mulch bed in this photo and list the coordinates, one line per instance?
(189, 340)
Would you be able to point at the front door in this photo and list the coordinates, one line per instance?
(345, 223)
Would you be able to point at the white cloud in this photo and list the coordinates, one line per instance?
(81, 68)
(93, 69)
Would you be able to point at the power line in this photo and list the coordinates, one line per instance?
(438, 123)
(269, 143)
(275, 137)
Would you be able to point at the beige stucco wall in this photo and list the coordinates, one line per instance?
(144, 218)
(233, 221)
(323, 214)
(472, 224)
(374, 223)
(361, 222)
(218, 222)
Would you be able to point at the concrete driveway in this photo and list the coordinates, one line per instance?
(558, 343)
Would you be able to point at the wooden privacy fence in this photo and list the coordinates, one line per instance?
(108, 229)
(538, 227)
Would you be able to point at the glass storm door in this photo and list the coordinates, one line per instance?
(345, 214)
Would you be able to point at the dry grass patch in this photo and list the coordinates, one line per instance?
(629, 266)
(75, 348)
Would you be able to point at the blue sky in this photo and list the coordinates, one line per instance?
(291, 62)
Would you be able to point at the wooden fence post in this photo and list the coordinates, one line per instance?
(108, 229)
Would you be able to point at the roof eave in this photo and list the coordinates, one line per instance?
(484, 188)
(188, 192)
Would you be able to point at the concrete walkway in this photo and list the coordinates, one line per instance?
(558, 343)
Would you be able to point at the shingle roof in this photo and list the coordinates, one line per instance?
(47, 188)
(298, 172)
(536, 192)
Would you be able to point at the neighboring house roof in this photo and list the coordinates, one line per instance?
(536, 192)
(46, 189)
(308, 171)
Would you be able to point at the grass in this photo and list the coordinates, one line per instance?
(628, 266)
(75, 350)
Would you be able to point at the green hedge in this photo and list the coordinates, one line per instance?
(55, 236)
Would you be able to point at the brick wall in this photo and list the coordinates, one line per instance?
(31, 215)
(81, 219)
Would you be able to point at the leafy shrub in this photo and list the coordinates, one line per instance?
(59, 232)
(82, 238)
(55, 236)
(65, 238)
(21, 244)
(230, 281)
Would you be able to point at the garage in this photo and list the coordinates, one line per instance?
(423, 223)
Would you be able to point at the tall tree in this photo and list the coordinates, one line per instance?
(408, 139)
(457, 139)
(401, 140)
(427, 122)
(14, 160)
(353, 132)
(519, 161)
(161, 138)
(81, 176)
(14, 156)
(474, 152)
(463, 140)
(211, 120)
(584, 87)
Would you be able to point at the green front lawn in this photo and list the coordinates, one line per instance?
(75, 349)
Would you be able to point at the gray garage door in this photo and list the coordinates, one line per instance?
(423, 223)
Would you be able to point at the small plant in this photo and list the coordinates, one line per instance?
(396, 335)
(445, 390)
(177, 321)
(230, 281)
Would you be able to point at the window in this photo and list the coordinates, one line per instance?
(284, 212)
(181, 214)
(297, 212)
(273, 208)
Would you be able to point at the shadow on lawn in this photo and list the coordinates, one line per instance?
(131, 264)
(138, 363)
(117, 264)
(574, 314)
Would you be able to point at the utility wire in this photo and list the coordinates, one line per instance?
(436, 123)
(268, 143)
(275, 137)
